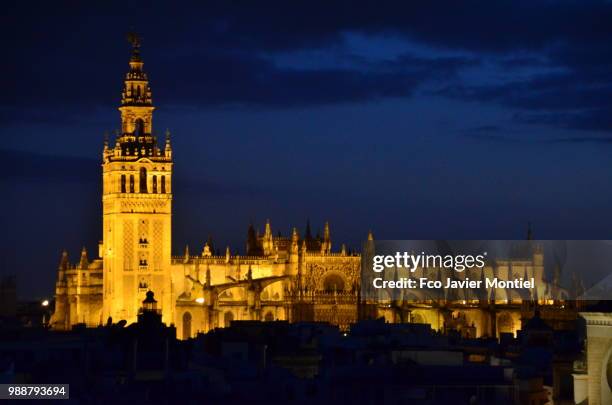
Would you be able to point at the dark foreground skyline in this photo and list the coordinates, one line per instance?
(421, 122)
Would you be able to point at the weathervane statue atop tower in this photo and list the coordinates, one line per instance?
(134, 39)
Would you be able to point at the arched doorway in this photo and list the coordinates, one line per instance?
(269, 316)
(417, 318)
(228, 317)
(186, 325)
(505, 324)
(333, 282)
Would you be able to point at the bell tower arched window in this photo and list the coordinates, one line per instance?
(131, 183)
(139, 127)
(155, 184)
(123, 183)
(163, 184)
(143, 180)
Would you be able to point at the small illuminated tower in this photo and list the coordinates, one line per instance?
(136, 205)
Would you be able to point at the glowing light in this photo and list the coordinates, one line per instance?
(199, 300)
(45, 303)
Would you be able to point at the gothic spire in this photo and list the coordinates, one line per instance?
(268, 229)
(308, 233)
(186, 254)
(210, 243)
(529, 231)
(252, 245)
(64, 264)
(84, 262)
(326, 244)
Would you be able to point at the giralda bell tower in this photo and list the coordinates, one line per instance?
(137, 205)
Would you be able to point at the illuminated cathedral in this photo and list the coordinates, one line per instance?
(294, 278)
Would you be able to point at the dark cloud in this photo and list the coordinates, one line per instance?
(484, 129)
(240, 79)
(591, 119)
(497, 134)
(566, 100)
(221, 77)
(490, 133)
(487, 137)
(520, 61)
(222, 53)
(585, 139)
(19, 165)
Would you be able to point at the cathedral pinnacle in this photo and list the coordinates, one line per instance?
(84, 262)
(326, 244)
(529, 231)
(308, 233)
(168, 146)
(64, 264)
(268, 229)
(186, 254)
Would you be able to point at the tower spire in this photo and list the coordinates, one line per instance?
(137, 91)
(136, 106)
(134, 40)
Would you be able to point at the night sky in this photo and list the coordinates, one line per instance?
(442, 120)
